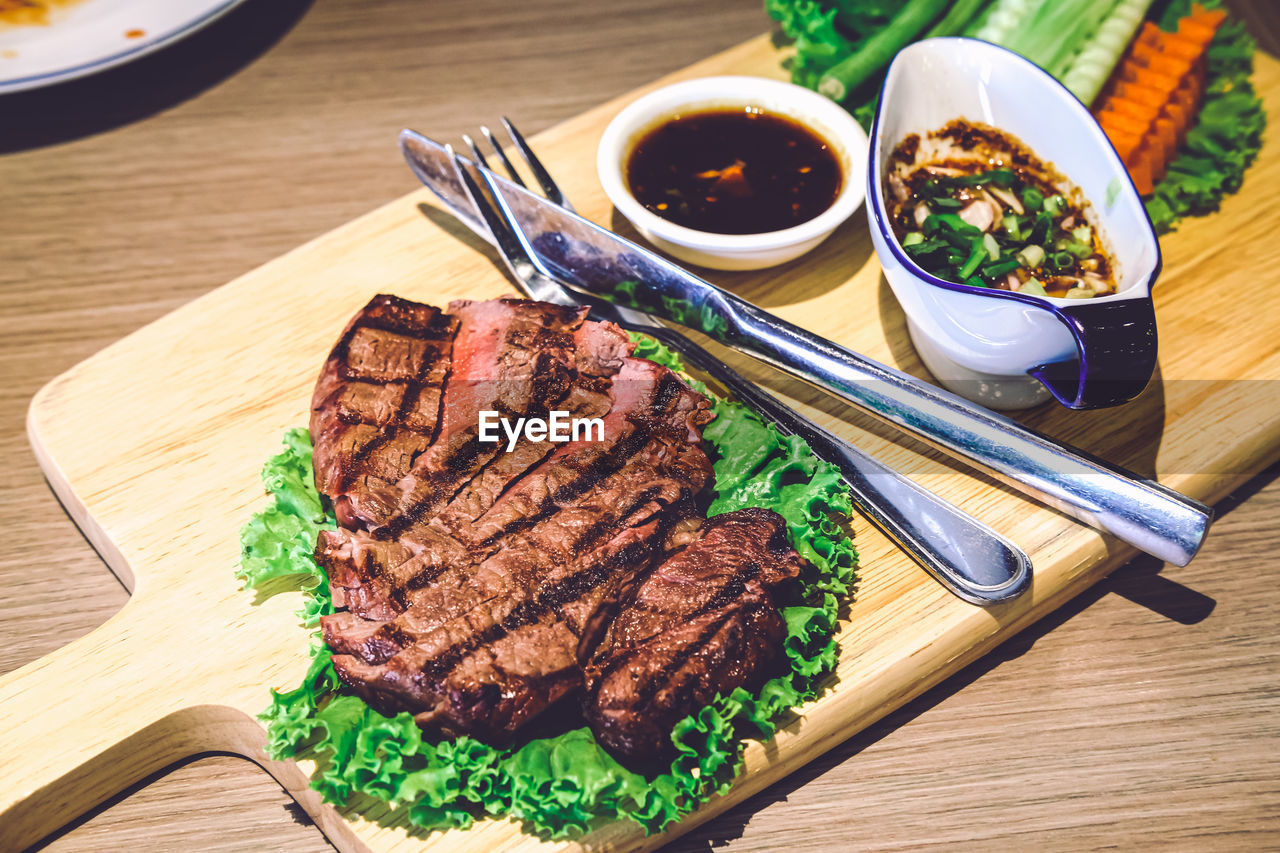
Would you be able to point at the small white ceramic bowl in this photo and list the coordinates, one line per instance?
(734, 251)
(1011, 350)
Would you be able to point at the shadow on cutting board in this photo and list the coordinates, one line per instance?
(1127, 435)
(1139, 582)
(151, 84)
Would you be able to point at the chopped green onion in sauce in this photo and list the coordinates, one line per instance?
(972, 205)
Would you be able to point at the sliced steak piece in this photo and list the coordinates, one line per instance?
(649, 404)
(378, 398)
(703, 622)
(658, 476)
(367, 575)
(599, 348)
(373, 577)
(377, 406)
(510, 356)
(572, 535)
(589, 398)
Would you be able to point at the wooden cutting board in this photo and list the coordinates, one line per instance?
(154, 447)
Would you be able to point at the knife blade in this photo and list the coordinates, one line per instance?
(1141, 512)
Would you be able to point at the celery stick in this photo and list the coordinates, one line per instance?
(959, 16)
(1053, 35)
(1050, 34)
(853, 71)
(1004, 18)
(1095, 62)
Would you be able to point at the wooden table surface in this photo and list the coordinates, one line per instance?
(1142, 716)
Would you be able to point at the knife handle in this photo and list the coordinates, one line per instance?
(1143, 513)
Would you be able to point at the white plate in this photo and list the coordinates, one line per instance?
(93, 35)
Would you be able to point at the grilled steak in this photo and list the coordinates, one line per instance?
(569, 537)
(704, 622)
(478, 583)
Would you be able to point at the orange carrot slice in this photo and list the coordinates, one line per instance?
(1140, 172)
(1171, 65)
(1136, 92)
(1125, 143)
(1133, 109)
(1147, 77)
(1208, 17)
(1129, 124)
(1195, 31)
(1154, 92)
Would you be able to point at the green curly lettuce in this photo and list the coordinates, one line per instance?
(278, 541)
(558, 785)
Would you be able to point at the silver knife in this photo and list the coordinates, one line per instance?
(1141, 512)
(967, 557)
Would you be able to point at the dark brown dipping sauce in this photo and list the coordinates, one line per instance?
(734, 171)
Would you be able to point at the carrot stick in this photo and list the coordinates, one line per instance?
(1154, 92)
(1125, 143)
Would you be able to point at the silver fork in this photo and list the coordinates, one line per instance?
(967, 557)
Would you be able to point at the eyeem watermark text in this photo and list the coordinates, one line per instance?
(558, 426)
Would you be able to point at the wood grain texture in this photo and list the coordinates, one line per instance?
(132, 260)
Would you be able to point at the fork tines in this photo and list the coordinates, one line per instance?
(549, 187)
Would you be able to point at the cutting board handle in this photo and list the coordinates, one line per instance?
(85, 722)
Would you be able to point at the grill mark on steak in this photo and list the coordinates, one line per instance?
(663, 456)
(453, 556)
(509, 356)
(490, 637)
(584, 522)
(704, 621)
(588, 476)
(648, 401)
(344, 397)
(417, 439)
(566, 478)
(730, 592)
(570, 472)
(589, 398)
(526, 612)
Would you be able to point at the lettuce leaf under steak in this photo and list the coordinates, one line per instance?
(559, 784)
(278, 541)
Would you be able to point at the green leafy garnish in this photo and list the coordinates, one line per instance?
(278, 541)
(995, 177)
(557, 785)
